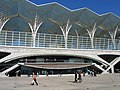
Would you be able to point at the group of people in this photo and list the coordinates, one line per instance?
(78, 77)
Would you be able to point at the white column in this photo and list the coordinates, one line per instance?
(112, 69)
(113, 35)
(2, 23)
(3, 20)
(91, 34)
(98, 66)
(65, 30)
(34, 37)
(34, 28)
(115, 61)
(77, 38)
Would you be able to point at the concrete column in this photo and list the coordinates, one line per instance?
(112, 69)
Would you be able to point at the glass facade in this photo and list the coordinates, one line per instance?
(53, 25)
(54, 59)
(14, 38)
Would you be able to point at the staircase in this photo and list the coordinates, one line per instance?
(11, 68)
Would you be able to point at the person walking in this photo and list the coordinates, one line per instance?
(34, 79)
(94, 72)
(47, 73)
(75, 76)
(79, 76)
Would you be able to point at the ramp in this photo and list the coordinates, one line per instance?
(11, 68)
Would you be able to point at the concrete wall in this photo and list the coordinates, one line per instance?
(20, 52)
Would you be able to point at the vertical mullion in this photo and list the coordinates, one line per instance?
(12, 37)
(50, 41)
(19, 40)
(5, 38)
(25, 38)
(38, 40)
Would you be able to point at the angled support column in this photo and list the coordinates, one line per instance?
(112, 69)
(3, 21)
(65, 30)
(34, 28)
(98, 66)
(115, 61)
(77, 38)
(113, 35)
(91, 32)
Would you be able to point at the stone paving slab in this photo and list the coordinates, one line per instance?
(101, 82)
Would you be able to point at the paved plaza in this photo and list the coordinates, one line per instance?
(65, 82)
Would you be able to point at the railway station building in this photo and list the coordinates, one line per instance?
(52, 38)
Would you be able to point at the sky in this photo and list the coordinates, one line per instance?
(98, 6)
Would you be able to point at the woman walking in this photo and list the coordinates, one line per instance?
(34, 79)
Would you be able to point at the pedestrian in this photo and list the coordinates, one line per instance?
(79, 76)
(47, 73)
(75, 76)
(83, 73)
(34, 79)
(94, 72)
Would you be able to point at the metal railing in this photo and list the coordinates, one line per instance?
(14, 38)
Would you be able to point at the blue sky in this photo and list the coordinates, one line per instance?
(98, 6)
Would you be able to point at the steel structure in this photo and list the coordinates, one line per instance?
(100, 31)
(25, 24)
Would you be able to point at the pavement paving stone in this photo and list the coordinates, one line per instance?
(101, 82)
